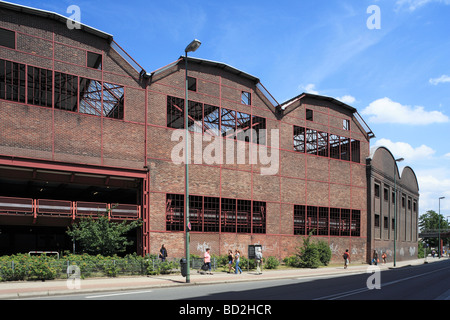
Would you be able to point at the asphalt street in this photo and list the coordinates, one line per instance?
(421, 282)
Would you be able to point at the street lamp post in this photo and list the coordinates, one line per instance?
(439, 217)
(194, 45)
(395, 211)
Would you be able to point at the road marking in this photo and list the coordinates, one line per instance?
(444, 296)
(116, 294)
(360, 290)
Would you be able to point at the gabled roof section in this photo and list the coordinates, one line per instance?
(271, 101)
(54, 16)
(223, 66)
(292, 104)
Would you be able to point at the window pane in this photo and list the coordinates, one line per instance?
(195, 120)
(90, 96)
(246, 98)
(94, 60)
(211, 120)
(322, 144)
(243, 124)
(40, 83)
(66, 92)
(299, 139)
(7, 38)
(113, 100)
(311, 141)
(228, 123)
(175, 112)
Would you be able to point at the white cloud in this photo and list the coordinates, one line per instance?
(447, 155)
(387, 111)
(415, 4)
(309, 88)
(405, 150)
(347, 99)
(431, 187)
(442, 79)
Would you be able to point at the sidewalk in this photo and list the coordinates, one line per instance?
(26, 289)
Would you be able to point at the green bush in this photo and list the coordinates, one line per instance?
(271, 263)
(324, 252)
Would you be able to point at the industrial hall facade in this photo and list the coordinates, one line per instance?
(84, 129)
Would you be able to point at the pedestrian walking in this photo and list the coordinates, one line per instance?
(375, 258)
(230, 261)
(258, 258)
(346, 257)
(383, 257)
(207, 258)
(237, 255)
(163, 253)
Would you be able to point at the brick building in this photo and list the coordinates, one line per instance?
(388, 215)
(84, 128)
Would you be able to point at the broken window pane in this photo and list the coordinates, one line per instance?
(90, 96)
(228, 123)
(113, 100)
(311, 141)
(175, 112)
(299, 139)
(322, 144)
(211, 120)
(243, 124)
(195, 120)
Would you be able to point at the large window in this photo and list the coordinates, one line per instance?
(326, 221)
(212, 120)
(211, 214)
(322, 144)
(36, 86)
(12, 81)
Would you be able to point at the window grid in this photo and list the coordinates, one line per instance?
(326, 221)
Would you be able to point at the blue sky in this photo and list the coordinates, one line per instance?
(397, 76)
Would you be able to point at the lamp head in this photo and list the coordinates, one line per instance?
(194, 45)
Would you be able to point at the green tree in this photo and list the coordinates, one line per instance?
(102, 236)
(430, 221)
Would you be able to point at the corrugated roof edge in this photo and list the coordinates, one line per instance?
(222, 66)
(54, 16)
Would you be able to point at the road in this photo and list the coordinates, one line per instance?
(423, 282)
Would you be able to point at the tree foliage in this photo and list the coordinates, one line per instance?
(430, 221)
(102, 236)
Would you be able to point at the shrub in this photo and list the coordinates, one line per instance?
(271, 263)
(324, 252)
(309, 254)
